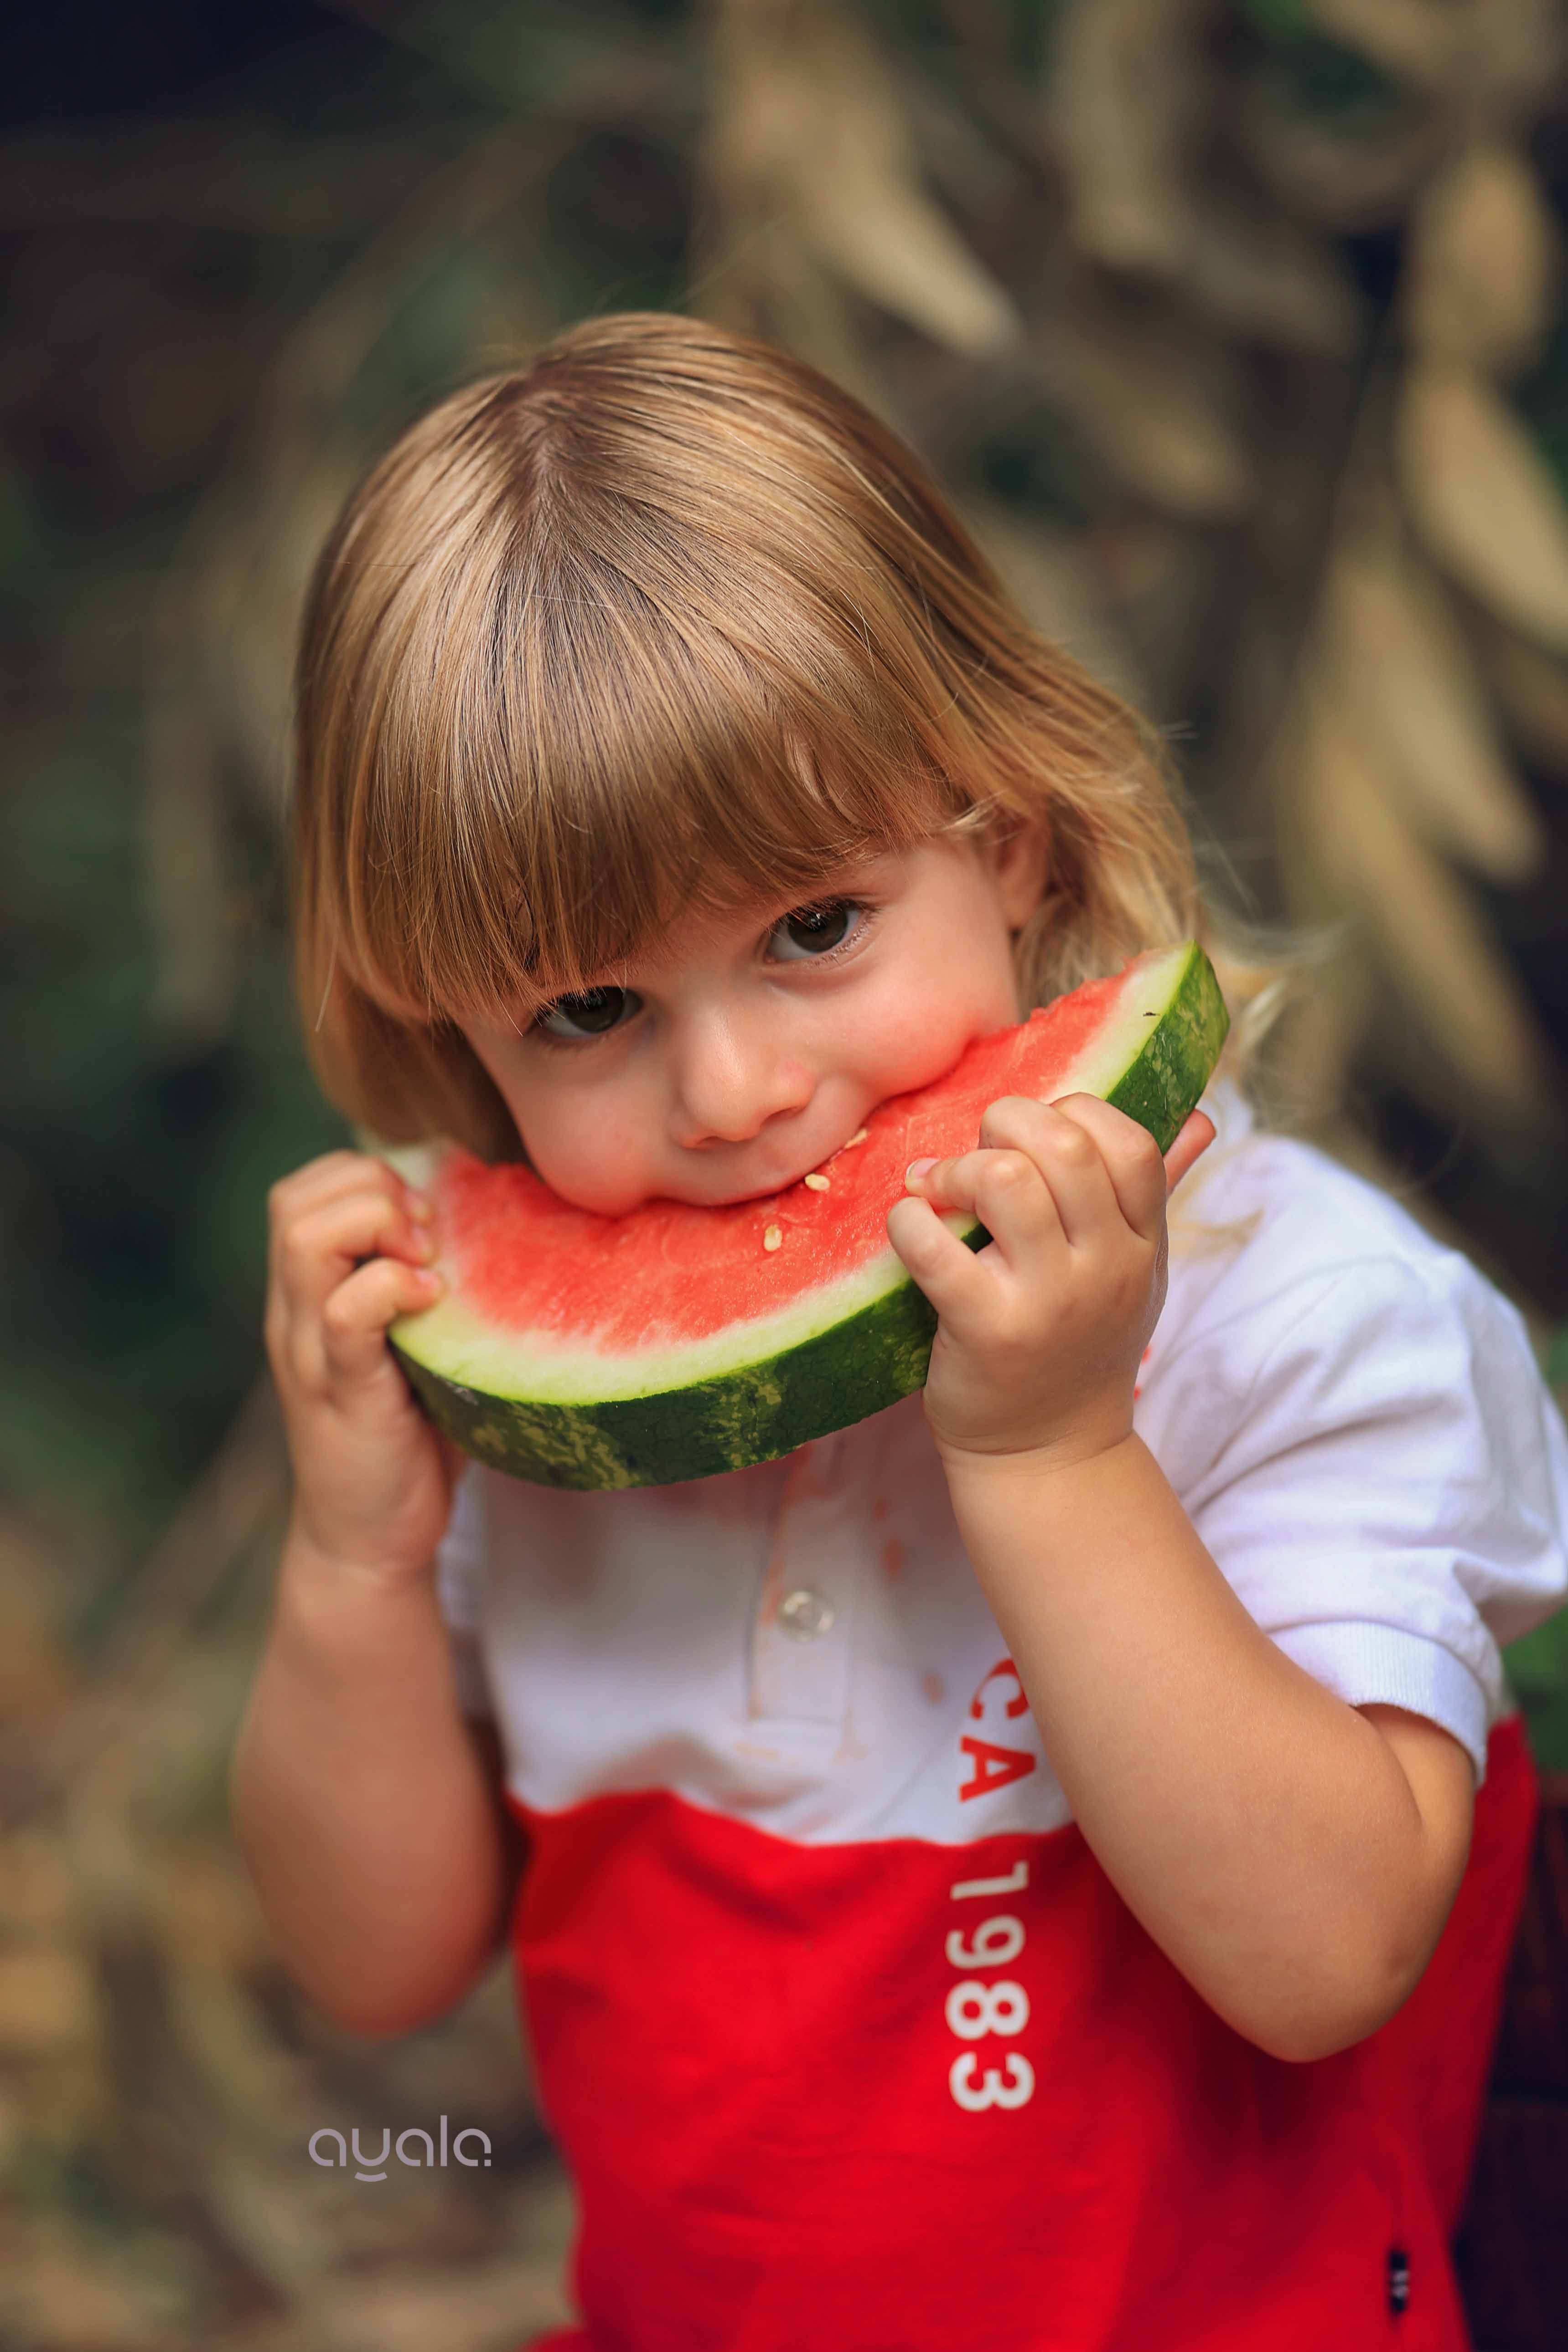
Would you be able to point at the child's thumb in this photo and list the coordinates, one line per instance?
(1196, 1134)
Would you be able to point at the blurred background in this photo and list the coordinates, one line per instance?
(1237, 330)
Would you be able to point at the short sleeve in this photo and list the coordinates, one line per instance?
(1389, 1498)
(460, 1564)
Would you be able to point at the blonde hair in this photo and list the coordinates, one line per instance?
(665, 618)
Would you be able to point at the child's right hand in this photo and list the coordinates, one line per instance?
(372, 1480)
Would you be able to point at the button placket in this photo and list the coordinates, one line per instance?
(800, 1646)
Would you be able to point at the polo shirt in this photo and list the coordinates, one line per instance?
(842, 2031)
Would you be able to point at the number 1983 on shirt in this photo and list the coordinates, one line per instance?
(979, 2008)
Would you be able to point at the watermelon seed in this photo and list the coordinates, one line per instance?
(774, 1237)
(859, 1137)
(818, 1183)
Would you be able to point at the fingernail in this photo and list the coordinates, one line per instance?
(418, 1206)
(917, 1168)
(432, 1280)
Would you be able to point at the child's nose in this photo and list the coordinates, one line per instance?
(732, 1077)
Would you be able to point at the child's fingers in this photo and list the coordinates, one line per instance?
(1141, 1180)
(1005, 1189)
(355, 1317)
(1128, 1160)
(946, 1269)
(334, 1174)
(315, 1249)
(1069, 1156)
(1197, 1135)
(315, 1178)
(1095, 1163)
(1037, 1179)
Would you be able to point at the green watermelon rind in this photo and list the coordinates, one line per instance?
(832, 1361)
(753, 1414)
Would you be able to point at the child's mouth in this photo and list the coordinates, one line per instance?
(815, 1177)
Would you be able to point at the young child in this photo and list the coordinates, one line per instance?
(1035, 1869)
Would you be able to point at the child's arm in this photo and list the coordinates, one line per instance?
(1294, 1859)
(1296, 1864)
(369, 1813)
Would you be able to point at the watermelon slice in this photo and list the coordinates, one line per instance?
(675, 1342)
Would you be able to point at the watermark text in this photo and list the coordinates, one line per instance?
(321, 2149)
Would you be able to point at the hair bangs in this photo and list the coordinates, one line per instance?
(600, 759)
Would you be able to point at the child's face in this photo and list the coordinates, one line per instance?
(748, 1049)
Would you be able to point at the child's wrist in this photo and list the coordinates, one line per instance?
(317, 1558)
(1080, 1450)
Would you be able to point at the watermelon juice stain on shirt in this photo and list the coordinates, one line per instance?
(797, 2072)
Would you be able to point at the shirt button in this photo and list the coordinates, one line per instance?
(805, 1614)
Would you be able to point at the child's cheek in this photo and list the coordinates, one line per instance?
(590, 1157)
(554, 1131)
(916, 1038)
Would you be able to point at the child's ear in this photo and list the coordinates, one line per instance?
(1020, 860)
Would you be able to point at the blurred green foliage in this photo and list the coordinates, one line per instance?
(133, 1183)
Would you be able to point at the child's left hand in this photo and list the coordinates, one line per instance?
(1041, 1332)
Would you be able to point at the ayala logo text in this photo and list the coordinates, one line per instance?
(420, 2163)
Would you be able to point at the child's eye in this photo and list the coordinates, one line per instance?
(588, 1015)
(813, 932)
